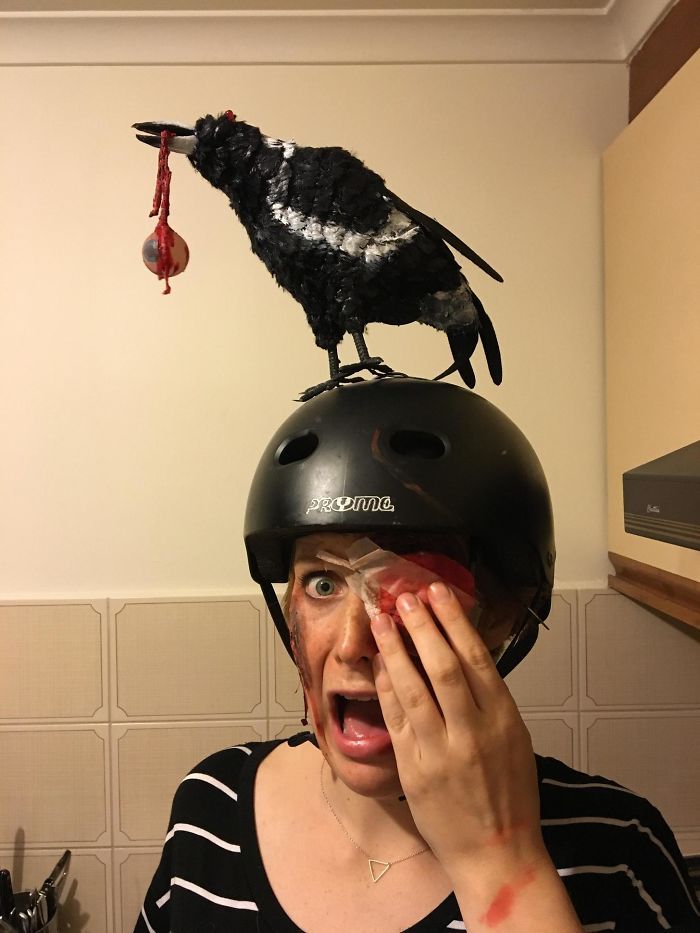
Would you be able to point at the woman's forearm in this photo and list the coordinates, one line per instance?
(507, 895)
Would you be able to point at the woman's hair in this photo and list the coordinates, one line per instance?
(286, 600)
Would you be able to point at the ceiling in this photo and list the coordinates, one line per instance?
(61, 32)
(492, 6)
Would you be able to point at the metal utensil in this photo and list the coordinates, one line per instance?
(42, 910)
(25, 915)
(52, 887)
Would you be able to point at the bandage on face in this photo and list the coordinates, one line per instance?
(380, 576)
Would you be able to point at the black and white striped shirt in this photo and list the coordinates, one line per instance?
(616, 855)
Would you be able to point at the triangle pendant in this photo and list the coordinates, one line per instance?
(378, 873)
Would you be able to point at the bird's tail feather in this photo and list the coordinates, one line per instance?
(489, 341)
(462, 344)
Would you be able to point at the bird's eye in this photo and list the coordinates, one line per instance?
(320, 585)
(230, 115)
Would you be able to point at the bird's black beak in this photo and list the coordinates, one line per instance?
(183, 141)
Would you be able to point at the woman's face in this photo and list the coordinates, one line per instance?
(334, 647)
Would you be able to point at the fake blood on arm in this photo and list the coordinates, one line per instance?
(502, 905)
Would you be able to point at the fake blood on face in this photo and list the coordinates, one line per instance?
(452, 572)
(164, 252)
(357, 727)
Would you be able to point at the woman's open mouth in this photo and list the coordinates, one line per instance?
(358, 725)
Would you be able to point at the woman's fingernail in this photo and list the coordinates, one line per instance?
(407, 601)
(439, 591)
(381, 624)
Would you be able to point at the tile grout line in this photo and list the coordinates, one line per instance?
(110, 730)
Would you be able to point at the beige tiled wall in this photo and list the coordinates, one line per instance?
(107, 703)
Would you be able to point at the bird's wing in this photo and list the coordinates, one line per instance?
(433, 226)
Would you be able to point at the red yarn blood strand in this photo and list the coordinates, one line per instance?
(161, 202)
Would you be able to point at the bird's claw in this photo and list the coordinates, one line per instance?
(347, 375)
(374, 364)
(333, 383)
(183, 139)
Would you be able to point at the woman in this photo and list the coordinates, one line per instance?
(417, 803)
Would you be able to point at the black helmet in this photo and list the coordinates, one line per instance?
(404, 454)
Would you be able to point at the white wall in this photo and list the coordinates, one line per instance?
(131, 422)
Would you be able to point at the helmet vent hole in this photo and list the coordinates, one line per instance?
(297, 448)
(418, 444)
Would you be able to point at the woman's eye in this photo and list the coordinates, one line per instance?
(320, 585)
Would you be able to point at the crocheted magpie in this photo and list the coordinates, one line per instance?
(332, 234)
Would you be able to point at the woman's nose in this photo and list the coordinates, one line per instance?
(356, 641)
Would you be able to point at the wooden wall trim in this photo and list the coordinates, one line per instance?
(666, 592)
(667, 48)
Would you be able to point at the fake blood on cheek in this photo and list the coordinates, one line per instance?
(357, 720)
(296, 640)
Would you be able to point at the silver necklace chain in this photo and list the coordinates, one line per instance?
(377, 867)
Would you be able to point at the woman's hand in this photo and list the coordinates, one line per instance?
(464, 756)
(467, 768)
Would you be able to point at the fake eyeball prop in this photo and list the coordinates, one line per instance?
(165, 253)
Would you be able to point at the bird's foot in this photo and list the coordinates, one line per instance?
(373, 364)
(333, 383)
(348, 374)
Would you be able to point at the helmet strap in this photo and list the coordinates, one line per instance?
(275, 611)
(278, 618)
(520, 645)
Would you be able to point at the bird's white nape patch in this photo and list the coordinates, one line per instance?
(288, 146)
(390, 237)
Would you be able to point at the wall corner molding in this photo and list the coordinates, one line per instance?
(347, 37)
(633, 20)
